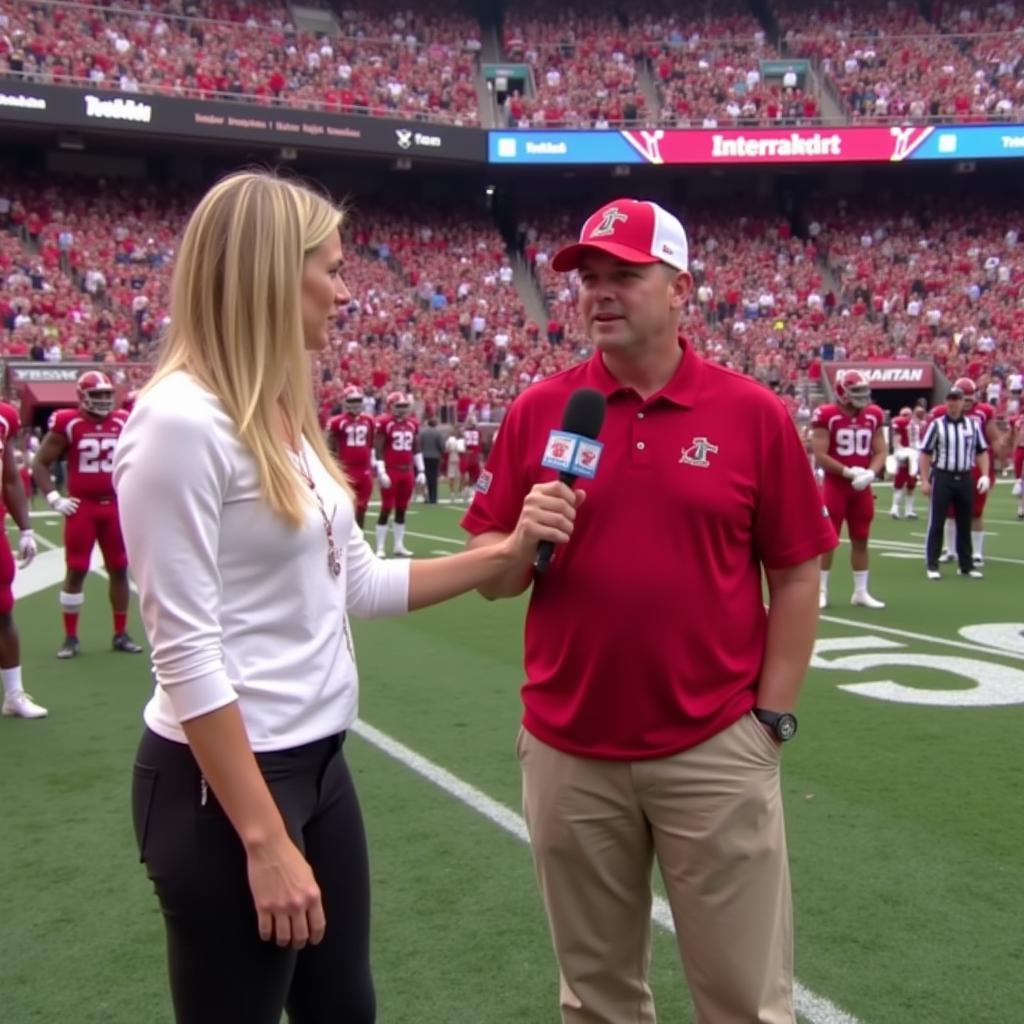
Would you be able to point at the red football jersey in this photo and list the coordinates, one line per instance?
(90, 451)
(849, 437)
(984, 414)
(1017, 428)
(399, 442)
(473, 441)
(353, 440)
(908, 432)
(981, 411)
(10, 424)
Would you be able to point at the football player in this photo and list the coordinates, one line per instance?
(1017, 434)
(87, 436)
(469, 468)
(849, 446)
(906, 432)
(16, 703)
(399, 468)
(350, 436)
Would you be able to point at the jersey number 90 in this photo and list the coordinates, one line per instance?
(853, 441)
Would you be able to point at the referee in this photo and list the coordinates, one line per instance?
(951, 446)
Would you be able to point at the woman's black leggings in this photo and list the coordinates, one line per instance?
(221, 972)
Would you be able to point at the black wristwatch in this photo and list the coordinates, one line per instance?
(781, 723)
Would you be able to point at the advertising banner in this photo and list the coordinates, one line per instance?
(758, 146)
(892, 374)
(225, 121)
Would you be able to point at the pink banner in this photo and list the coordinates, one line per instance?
(777, 146)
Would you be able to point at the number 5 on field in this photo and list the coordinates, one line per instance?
(995, 685)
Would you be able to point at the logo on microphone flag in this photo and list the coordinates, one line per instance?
(570, 453)
(559, 451)
(588, 454)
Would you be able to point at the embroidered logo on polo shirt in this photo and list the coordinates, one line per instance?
(697, 453)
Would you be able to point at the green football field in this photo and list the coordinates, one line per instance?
(904, 790)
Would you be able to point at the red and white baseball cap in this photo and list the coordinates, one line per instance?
(633, 230)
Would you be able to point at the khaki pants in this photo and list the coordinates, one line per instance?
(712, 815)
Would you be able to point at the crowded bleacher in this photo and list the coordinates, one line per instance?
(679, 65)
(408, 63)
(435, 308)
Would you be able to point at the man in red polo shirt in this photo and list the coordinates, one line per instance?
(658, 687)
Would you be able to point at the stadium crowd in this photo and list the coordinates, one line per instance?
(885, 59)
(435, 309)
(593, 65)
(409, 63)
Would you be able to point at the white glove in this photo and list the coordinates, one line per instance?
(26, 547)
(421, 479)
(385, 480)
(984, 484)
(65, 506)
(865, 478)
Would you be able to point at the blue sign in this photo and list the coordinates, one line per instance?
(573, 147)
(972, 142)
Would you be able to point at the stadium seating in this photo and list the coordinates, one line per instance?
(84, 274)
(885, 60)
(85, 270)
(919, 282)
(410, 64)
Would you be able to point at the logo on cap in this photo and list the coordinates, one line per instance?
(608, 222)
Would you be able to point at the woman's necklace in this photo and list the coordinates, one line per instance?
(333, 558)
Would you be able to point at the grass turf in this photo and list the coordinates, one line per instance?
(905, 822)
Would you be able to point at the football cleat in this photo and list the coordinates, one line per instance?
(864, 600)
(947, 556)
(974, 574)
(124, 643)
(911, 515)
(69, 648)
(978, 561)
(895, 513)
(21, 705)
(401, 551)
(934, 574)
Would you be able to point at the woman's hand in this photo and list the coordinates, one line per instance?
(548, 513)
(286, 895)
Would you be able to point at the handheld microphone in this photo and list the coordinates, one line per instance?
(573, 450)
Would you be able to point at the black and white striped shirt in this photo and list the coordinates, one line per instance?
(954, 444)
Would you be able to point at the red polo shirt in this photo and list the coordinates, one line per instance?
(646, 634)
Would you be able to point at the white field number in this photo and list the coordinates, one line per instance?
(990, 684)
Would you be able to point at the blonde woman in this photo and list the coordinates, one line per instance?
(242, 537)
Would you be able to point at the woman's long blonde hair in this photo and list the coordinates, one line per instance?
(236, 319)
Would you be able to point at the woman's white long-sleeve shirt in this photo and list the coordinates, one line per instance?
(237, 603)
